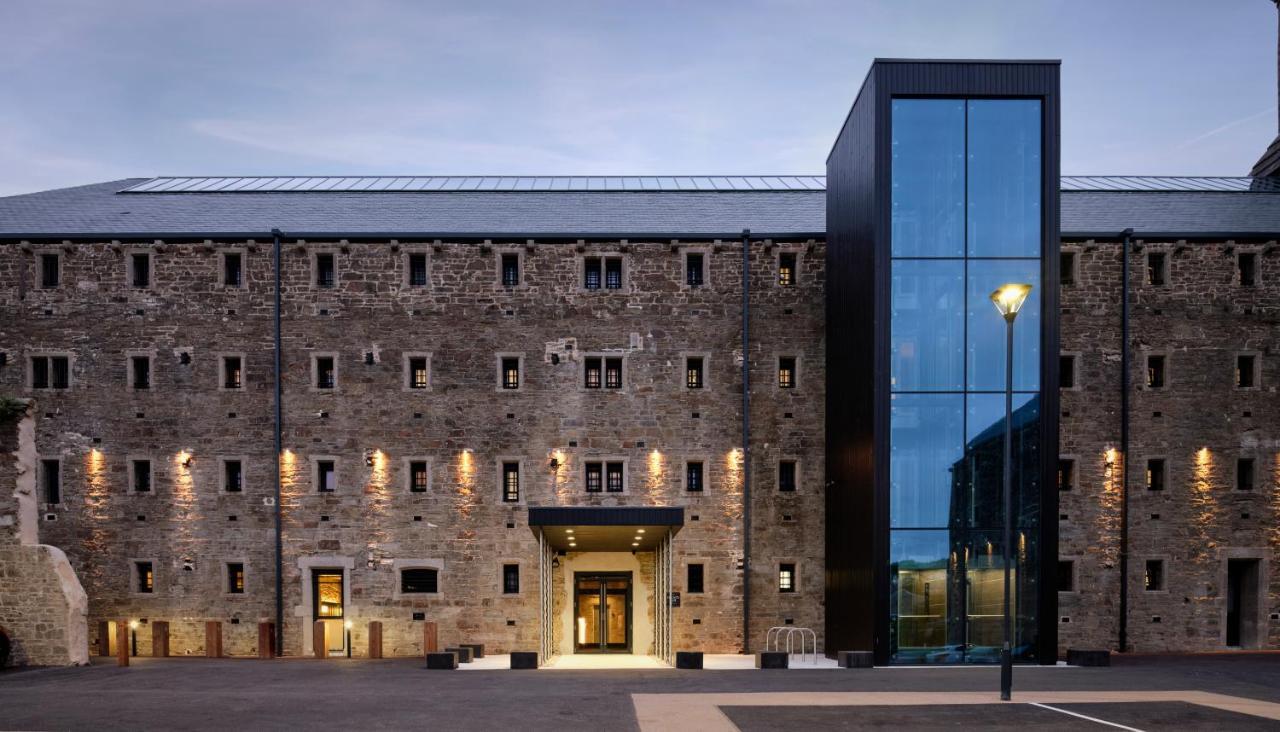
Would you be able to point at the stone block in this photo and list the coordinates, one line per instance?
(772, 659)
(477, 649)
(463, 653)
(524, 660)
(442, 661)
(689, 659)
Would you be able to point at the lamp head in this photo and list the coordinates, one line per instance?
(1009, 298)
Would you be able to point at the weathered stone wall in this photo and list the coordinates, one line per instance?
(1200, 423)
(42, 605)
(370, 425)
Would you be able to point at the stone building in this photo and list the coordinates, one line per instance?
(516, 407)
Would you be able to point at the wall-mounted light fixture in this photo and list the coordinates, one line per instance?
(553, 464)
(186, 459)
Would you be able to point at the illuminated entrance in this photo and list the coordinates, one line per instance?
(327, 607)
(602, 617)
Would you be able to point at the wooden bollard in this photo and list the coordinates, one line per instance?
(160, 639)
(122, 642)
(266, 640)
(213, 639)
(375, 639)
(430, 638)
(104, 639)
(319, 644)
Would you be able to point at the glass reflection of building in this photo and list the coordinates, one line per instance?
(966, 218)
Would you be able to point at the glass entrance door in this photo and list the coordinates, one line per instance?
(326, 594)
(602, 618)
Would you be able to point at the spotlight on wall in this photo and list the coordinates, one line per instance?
(554, 464)
(368, 458)
(186, 459)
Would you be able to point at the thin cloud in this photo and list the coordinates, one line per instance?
(1223, 128)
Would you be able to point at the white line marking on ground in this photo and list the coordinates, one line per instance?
(1085, 716)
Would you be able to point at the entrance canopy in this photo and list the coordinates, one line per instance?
(605, 529)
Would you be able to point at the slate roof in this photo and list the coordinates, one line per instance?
(1103, 206)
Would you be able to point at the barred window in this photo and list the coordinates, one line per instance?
(693, 274)
(693, 477)
(326, 270)
(591, 372)
(144, 577)
(614, 477)
(511, 482)
(786, 373)
(693, 372)
(595, 477)
(510, 270)
(232, 476)
(235, 578)
(417, 269)
(418, 476)
(232, 269)
(511, 579)
(613, 373)
(787, 577)
(787, 269)
(511, 373)
(418, 372)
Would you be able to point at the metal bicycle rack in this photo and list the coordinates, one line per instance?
(773, 641)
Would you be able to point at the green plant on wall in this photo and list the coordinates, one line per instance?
(11, 409)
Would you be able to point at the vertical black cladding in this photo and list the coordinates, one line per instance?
(858, 340)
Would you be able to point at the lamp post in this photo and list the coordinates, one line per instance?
(133, 637)
(1008, 300)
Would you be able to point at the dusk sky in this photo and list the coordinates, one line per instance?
(96, 90)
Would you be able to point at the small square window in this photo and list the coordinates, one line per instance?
(1066, 474)
(693, 472)
(140, 270)
(787, 577)
(1066, 576)
(511, 373)
(419, 376)
(419, 478)
(1067, 268)
(694, 276)
(592, 372)
(1246, 371)
(419, 581)
(786, 372)
(232, 372)
(326, 375)
(141, 476)
(510, 270)
(511, 482)
(326, 476)
(51, 480)
(144, 577)
(326, 270)
(235, 578)
(595, 477)
(417, 269)
(232, 476)
(1155, 474)
(693, 369)
(232, 269)
(1244, 474)
(50, 271)
(1157, 269)
(511, 579)
(1247, 268)
(1067, 372)
(1153, 578)
(140, 372)
(787, 269)
(694, 583)
(787, 476)
(1155, 372)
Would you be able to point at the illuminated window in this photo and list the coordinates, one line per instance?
(50, 372)
(1153, 578)
(1066, 474)
(1155, 474)
(787, 269)
(605, 476)
(614, 477)
(1247, 268)
(693, 369)
(417, 269)
(140, 372)
(511, 482)
(1066, 576)
(787, 476)
(51, 480)
(786, 372)
(787, 577)
(326, 476)
(326, 376)
(694, 276)
(511, 579)
(1246, 371)
(140, 270)
(693, 476)
(144, 577)
(510, 270)
(1155, 372)
(232, 476)
(50, 271)
(140, 475)
(418, 476)
(595, 477)
(232, 372)
(235, 578)
(591, 372)
(1157, 269)
(419, 581)
(232, 269)
(694, 581)
(325, 270)
(613, 373)
(510, 372)
(1244, 474)
(418, 373)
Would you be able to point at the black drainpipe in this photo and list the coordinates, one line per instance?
(746, 443)
(275, 236)
(1123, 644)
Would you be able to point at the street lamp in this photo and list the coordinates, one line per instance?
(1008, 300)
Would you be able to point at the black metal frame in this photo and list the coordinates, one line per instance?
(604, 646)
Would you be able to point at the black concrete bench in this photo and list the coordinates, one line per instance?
(855, 659)
(524, 660)
(442, 661)
(773, 659)
(1082, 657)
(463, 653)
(477, 649)
(689, 659)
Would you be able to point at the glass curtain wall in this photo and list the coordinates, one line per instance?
(966, 218)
